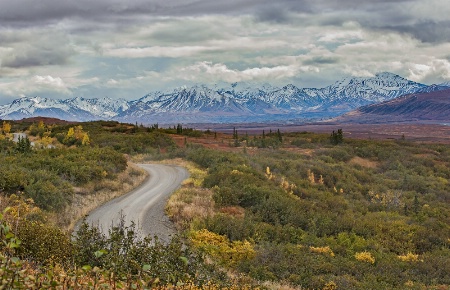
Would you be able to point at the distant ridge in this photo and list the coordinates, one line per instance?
(418, 107)
(234, 103)
(46, 120)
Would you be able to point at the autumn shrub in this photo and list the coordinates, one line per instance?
(221, 249)
(123, 253)
(41, 241)
(365, 257)
(322, 250)
(48, 176)
(409, 257)
(44, 243)
(168, 266)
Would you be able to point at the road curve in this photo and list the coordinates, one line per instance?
(144, 205)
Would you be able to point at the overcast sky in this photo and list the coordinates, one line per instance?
(64, 49)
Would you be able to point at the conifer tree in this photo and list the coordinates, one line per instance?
(280, 138)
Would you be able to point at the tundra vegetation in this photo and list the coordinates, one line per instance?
(273, 210)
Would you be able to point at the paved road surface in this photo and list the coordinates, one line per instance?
(144, 205)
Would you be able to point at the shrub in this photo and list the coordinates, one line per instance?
(322, 250)
(365, 257)
(221, 249)
(409, 257)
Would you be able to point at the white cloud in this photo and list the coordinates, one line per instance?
(437, 70)
(220, 72)
(50, 82)
(357, 71)
(348, 33)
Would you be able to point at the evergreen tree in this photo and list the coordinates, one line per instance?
(337, 137)
(280, 138)
(235, 133)
(23, 145)
(179, 129)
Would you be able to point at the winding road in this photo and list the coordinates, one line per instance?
(144, 205)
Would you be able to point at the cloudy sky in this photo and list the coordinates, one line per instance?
(64, 49)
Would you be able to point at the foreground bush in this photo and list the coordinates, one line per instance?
(120, 261)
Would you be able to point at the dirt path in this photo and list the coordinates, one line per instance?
(144, 205)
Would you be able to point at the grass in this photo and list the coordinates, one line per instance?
(363, 162)
(188, 204)
(191, 201)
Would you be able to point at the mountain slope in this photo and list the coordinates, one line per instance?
(418, 107)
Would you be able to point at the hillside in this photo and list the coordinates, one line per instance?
(429, 107)
(278, 210)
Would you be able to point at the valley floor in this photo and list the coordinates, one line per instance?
(413, 132)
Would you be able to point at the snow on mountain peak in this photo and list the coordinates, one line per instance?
(237, 99)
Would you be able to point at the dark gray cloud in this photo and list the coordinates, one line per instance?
(44, 11)
(31, 48)
(273, 13)
(321, 60)
(394, 15)
(36, 58)
(427, 31)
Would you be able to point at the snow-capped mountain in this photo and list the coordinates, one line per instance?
(238, 102)
(76, 109)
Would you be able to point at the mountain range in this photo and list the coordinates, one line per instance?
(234, 103)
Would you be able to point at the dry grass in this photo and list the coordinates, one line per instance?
(191, 202)
(364, 162)
(279, 286)
(306, 152)
(95, 194)
(235, 211)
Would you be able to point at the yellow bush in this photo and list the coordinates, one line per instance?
(6, 127)
(311, 177)
(286, 186)
(221, 249)
(196, 176)
(322, 250)
(410, 257)
(21, 208)
(365, 257)
(330, 286)
(269, 174)
(236, 172)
